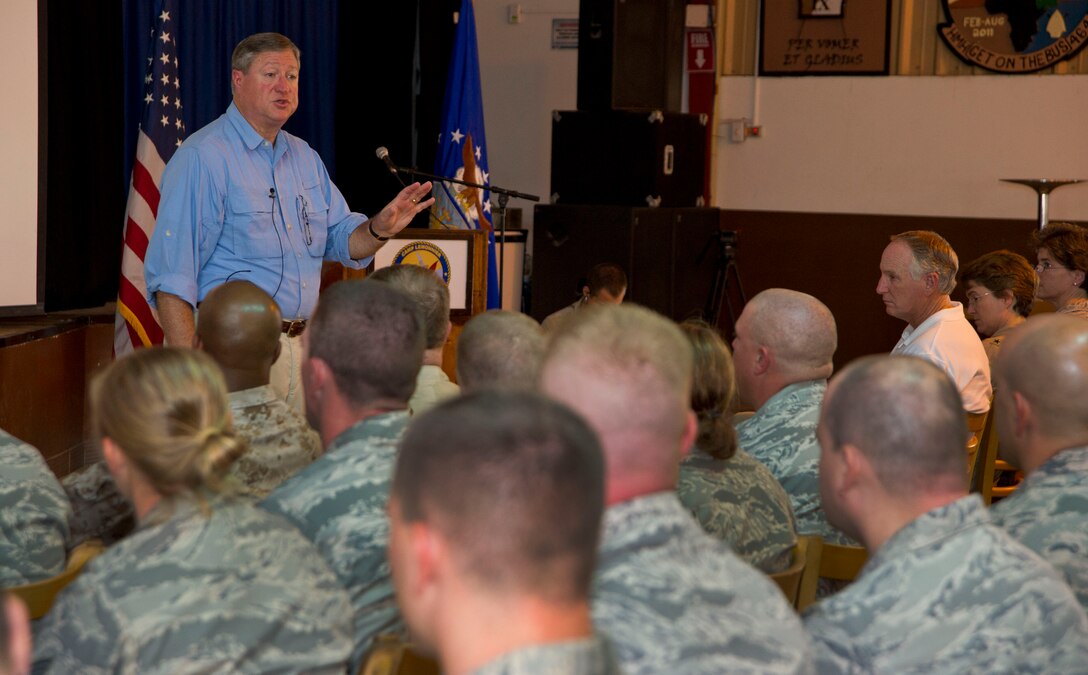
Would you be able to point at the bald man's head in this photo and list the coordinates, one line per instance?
(1044, 361)
(798, 328)
(239, 326)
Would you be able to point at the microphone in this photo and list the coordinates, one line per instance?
(382, 153)
(271, 193)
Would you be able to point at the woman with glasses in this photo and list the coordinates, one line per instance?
(207, 582)
(1000, 288)
(1062, 251)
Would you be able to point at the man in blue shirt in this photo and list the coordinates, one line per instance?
(243, 199)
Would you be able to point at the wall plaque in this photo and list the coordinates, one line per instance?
(1014, 36)
(824, 37)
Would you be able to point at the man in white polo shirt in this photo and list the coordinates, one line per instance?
(917, 275)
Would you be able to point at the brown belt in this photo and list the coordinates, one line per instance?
(294, 328)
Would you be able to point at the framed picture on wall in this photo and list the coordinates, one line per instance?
(824, 37)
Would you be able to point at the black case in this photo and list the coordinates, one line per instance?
(628, 158)
(669, 255)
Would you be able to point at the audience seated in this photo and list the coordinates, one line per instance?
(207, 583)
(1000, 289)
(432, 297)
(495, 518)
(605, 285)
(917, 274)
(733, 496)
(782, 353)
(499, 349)
(1062, 252)
(944, 590)
(34, 515)
(15, 642)
(1042, 386)
(673, 599)
(239, 326)
(361, 353)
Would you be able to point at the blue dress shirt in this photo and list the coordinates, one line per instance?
(235, 206)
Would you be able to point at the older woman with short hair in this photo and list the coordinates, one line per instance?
(1000, 289)
(207, 582)
(1062, 252)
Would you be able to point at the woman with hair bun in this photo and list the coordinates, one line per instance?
(207, 582)
(1062, 252)
(732, 494)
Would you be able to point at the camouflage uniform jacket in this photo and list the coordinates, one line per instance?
(339, 504)
(1048, 513)
(591, 656)
(432, 387)
(33, 515)
(952, 593)
(782, 435)
(225, 589)
(280, 441)
(739, 501)
(673, 599)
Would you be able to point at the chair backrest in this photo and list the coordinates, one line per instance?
(1001, 491)
(789, 579)
(841, 563)
(982, 469)
(392, 656)
(976, 425)
(39, 595)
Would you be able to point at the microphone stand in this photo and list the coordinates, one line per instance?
(504, 196)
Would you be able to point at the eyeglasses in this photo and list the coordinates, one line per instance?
(972, 299)
(1046, 266)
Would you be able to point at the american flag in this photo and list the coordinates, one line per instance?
(161, 132)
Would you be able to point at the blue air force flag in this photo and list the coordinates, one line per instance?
(462, 148)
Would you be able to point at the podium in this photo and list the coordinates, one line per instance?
(459, 255)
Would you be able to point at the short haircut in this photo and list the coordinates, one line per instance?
(638, 366)
(607, 276)
(371, 336)
(1068, 243)
(259, 43)
(1005, 274)
(713, 390)
(239, 325)
(428, 291)
(168, 411)
(499, 349)
(1048, 365)
(906, 416)
(515, 483)
(799, 329)
(932, 253)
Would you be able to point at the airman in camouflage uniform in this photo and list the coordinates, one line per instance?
(739, 501)
(952, 593)
(590, 656)
(944, 590)
(233, 590)
(495, 521)
(33, 515)
(1041, 380)
(280, 441)
(670, 597)
(361, 353)
(338, 502)
(782, 435)
(784, 344)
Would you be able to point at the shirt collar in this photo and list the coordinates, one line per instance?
(943, 522)
(250, 138)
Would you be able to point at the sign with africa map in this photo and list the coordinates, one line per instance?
(1015, 36)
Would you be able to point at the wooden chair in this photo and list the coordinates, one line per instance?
(999, 492)
(789, 579)
(976, 425)
(828, 561)
(982, 469)
(39, 595)
(392, 656)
